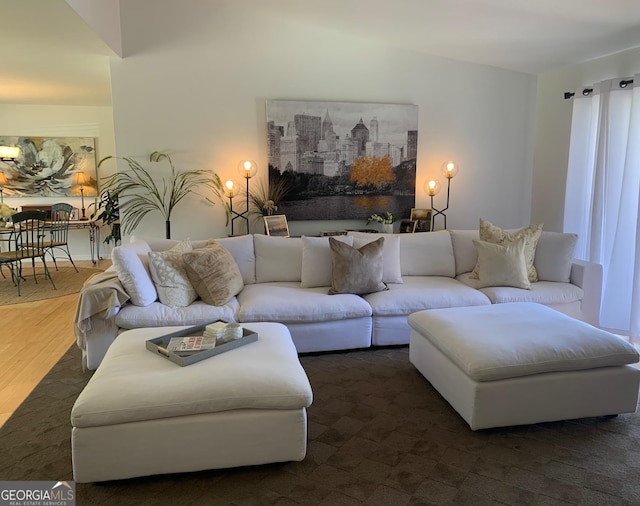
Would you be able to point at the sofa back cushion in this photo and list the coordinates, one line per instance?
(427, 254)
(317, 267)
(131, 262)
(464, 251)
(277, 258)
(391, 271)
(240, 247)
(554, 256)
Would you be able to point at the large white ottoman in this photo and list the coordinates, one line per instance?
(522, 363)
(141, 414)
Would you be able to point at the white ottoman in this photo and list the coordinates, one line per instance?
(141, 414)
(522, 363)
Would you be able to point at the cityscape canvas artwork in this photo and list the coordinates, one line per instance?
(46, 166)
(342, 160)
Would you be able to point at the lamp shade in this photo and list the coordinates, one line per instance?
(449, 169)
(432, 187)
(9, 152)
(3, 179)
(247, 168)
(80, 179)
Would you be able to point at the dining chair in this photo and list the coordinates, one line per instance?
(58, 229)
(26, 244)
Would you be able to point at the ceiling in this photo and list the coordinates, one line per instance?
(51, 56)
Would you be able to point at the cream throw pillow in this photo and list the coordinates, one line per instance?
(531, 234)
(214, 273)
(170, 277)
(502, 265)
(357, 271)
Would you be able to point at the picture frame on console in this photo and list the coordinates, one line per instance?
(408, 226)
(74, 215)
(424, 219)
(276, 225)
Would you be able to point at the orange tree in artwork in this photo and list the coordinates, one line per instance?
(372, 171)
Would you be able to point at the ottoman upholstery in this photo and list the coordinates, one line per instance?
(141, 414)
(520, 363)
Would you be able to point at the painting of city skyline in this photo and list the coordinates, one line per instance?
(342, 160)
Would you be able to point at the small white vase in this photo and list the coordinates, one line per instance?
(387, 228)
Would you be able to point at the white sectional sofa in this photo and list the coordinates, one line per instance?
(287, 280)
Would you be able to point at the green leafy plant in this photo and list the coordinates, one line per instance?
(107, 210)
(139, 194)
(386, 218)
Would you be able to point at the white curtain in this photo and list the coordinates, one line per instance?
(602, 196)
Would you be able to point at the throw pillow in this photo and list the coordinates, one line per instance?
(500, 265)
(554, 256)
(316, 260)
(531, 234)
(213, 273)
(170, 277)
(131, 262)
(357, 271)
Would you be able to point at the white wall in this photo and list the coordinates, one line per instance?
(61, 121)
(196, 78)
(553, 128)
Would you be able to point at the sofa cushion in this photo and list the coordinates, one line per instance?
(131, 262)
(288, 303)
(464, 251)
(542, 292)
(240, 247)
(427, 254)
(170, 277)
(424, 292)
(317, 266)
(356, 270)
(391, 271)
(214, 273)
(500, 265)
(277, 258)
(531, 234)
(554, 255)
(159, 315)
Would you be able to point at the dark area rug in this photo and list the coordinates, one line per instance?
(378, 434)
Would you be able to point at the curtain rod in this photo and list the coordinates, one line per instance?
(587, 91)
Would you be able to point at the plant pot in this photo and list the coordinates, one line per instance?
(387, 228)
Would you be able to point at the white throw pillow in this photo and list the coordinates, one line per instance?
(131, 262)
(317, 266)
(277, 258)
(170, 276)
(502, 265)
(391, 272)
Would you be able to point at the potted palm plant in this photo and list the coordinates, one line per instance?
(138, 194)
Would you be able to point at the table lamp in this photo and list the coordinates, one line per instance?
(81, 180)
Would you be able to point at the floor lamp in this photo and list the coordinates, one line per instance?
(247, 169)
(432, 187)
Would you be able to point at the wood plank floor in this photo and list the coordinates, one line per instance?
(34, 336)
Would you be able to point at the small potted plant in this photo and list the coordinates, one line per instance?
(386, 219)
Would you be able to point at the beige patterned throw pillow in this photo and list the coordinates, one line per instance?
(531, 234)
(214, 273)
(170, 277)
